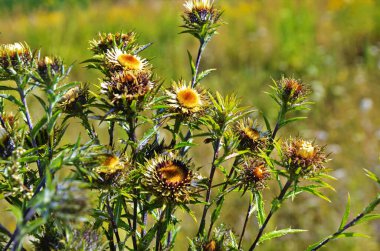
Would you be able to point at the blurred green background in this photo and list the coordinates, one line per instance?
(332, 45)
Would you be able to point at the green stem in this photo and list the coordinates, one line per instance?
(28, 121)
(273, 209)
(225, 184)
(208, 193)
(201, 48)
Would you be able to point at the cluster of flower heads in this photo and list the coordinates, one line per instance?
(303, 157)
(170, 177)
(187, 101)
(128, 76)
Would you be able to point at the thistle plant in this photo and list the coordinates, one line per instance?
(121, 186)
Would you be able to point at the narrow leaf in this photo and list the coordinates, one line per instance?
(260, 208)
(279, 233)
(346, 212)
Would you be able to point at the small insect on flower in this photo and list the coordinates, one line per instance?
(15, 56)
(169, 178)
(121, 60)
(6, 144)
(112, 168)
(304, 157)
(186, 100)
(74, 99)
(250, 135)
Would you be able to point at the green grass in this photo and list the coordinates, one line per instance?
(332, 45)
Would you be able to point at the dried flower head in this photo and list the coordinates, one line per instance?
(254, 174)
(292, 90)
(169, 178)
(186, 100)
(201, 11)
(105, 42)
(15, 56)
(304, 157)
(112, 169)
(49, 67)
(126, 86)
(74, 99)
(250, 136)
(119, 60)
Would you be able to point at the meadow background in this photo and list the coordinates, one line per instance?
(332, 45)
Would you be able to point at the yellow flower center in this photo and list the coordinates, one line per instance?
(173, 173)
(188, 98)
(258, 172)
(251, 133)
(129, 61)
(306, 150)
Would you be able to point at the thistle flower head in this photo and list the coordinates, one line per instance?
(170, 178)
(254, 174)
(292, 90)
(49, 67)
(105, 42)
(119, 60)
(200, 11)
(186, 100)
(250, 135)
(124, 87)
(73, 100)
(304, 157)
(16, 56)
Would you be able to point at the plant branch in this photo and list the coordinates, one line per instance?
(225, 184)
(28, 121)
(245, 221)
(352, 223)
(273, 209)
(208, 193)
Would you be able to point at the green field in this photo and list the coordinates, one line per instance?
(332, 45)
